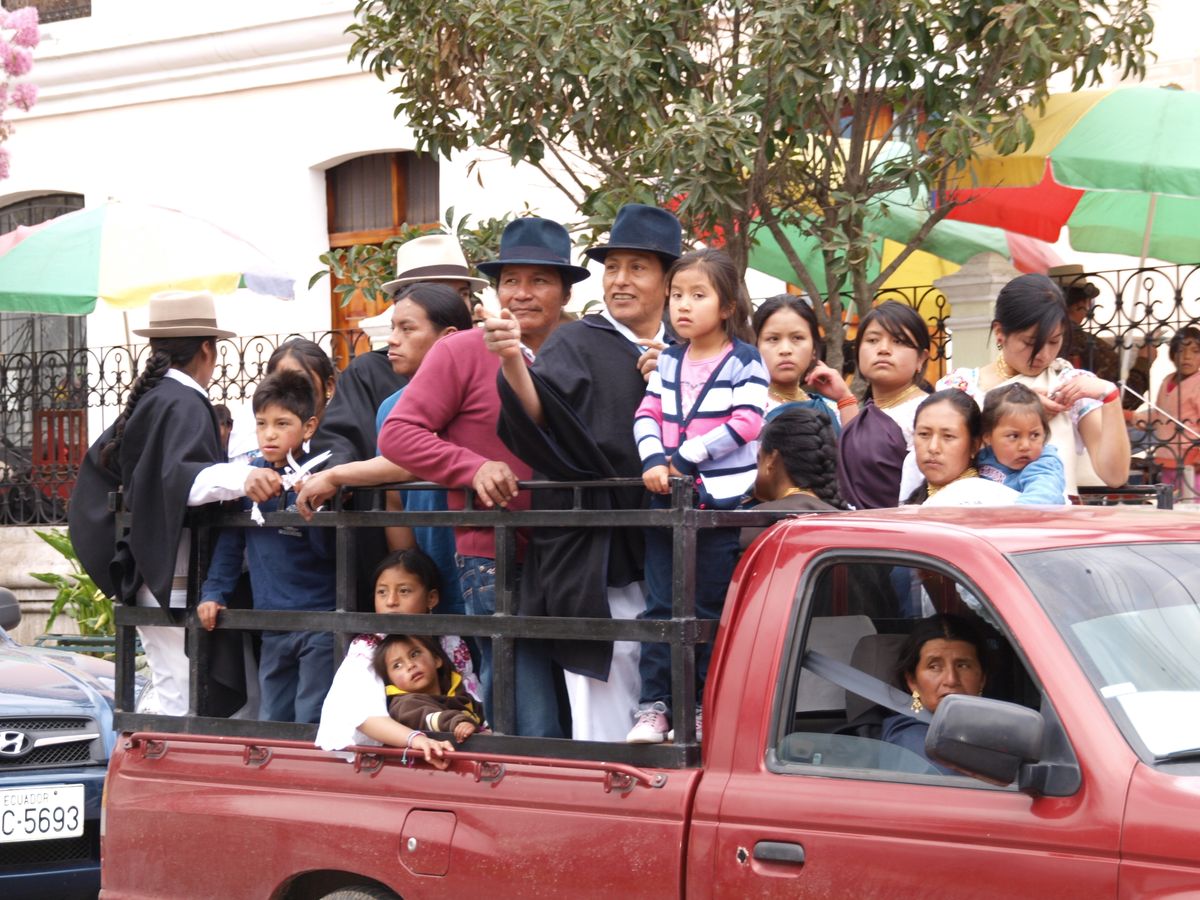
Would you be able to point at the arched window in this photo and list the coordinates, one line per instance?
(370, 199)
(43, 392)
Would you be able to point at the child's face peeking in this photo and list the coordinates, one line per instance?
(280, 432)
(1018, 438)
(398, 590)
(411, 667)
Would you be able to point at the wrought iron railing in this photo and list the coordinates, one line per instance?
(52, 404)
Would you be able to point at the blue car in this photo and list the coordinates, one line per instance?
(56, 736)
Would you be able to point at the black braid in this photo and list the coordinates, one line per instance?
(806, 444)
(164, 353)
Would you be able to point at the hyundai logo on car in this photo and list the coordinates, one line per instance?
(14, 743)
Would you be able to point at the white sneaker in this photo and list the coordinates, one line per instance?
(650, 726)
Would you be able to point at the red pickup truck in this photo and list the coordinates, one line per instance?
(1077, 774)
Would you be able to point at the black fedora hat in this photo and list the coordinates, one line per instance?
(534, 242)
(646, 228)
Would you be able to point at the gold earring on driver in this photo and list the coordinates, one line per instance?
(916, 706)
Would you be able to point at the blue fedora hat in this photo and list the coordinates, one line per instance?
(534, 242)
(646, 228)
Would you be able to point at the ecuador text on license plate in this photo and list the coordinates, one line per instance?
(41, 813)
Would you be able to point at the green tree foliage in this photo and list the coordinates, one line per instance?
(751, 115)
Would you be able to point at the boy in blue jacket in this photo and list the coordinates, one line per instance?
(290, 568)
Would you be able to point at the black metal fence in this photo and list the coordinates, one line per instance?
(53, 403)
(683, 632)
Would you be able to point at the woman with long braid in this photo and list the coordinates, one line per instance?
(797, 466)
(164, 454)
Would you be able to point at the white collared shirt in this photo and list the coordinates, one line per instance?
(625, 332)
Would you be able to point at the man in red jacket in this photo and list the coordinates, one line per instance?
(443, 429)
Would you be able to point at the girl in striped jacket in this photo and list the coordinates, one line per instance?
(700, 419)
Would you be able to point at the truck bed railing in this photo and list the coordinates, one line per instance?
(682, 632)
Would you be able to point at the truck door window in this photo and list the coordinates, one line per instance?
(845, 706)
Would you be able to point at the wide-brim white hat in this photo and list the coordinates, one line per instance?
(431, 257)
(183, 314)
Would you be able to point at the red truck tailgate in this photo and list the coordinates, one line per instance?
(246, 817)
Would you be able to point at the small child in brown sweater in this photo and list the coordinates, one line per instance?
(424, 690)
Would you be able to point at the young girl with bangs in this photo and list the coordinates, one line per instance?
(700, 419)
(893, 348)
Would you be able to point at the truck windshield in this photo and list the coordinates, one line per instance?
(1130, 616)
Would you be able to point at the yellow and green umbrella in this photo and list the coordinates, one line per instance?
(124, 252)
(1119, 168)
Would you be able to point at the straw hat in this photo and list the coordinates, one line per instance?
(1070, 278)
(183, 314)
(431, 257)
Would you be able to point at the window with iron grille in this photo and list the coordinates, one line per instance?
(54, 10)
(43, 377)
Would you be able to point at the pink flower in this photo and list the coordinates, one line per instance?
(3, 163)
(24, 95)
(17, 60)
(24, 23)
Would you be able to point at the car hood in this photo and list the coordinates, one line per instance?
(48, 682)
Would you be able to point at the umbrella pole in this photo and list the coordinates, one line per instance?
(1126, 361)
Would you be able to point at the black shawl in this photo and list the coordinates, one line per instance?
(587, 379)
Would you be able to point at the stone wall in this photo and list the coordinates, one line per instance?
(22, 552)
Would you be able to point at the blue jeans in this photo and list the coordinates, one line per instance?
(294, 674)
(536, 697)
(716, 556)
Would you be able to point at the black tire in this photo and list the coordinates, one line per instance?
(361, 892)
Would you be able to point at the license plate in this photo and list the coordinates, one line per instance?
(41, 813)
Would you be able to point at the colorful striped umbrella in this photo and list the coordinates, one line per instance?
(124, 252)
(949, 245)
(1119, 168)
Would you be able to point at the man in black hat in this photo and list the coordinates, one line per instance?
(443, 429)
(570, 417)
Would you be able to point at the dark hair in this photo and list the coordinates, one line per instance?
(165, 353)
(291, 390)
(416, 562)
(905, 326)
(944, 626)
(806, 444)
(731, 289)
(966, 407)
(443, 305)
(1186, 333)
(224, 416)
(999, 400)
(379, 659)
(312, 359)
(800, 307)
(1033, 301)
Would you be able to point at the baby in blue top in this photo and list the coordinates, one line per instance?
(1015, 452)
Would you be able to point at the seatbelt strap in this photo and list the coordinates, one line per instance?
(864, 685)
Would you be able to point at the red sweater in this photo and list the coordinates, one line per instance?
(443, 428)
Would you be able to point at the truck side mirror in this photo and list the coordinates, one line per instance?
(10, 610)
(990, 739)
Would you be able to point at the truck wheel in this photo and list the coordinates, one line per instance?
(361, 892)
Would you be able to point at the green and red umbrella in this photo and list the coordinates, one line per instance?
(122, 253)
(1120, 169)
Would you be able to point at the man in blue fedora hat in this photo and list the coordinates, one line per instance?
(443, 429)
(570, 416)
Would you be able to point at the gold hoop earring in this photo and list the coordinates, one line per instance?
(916, 706)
